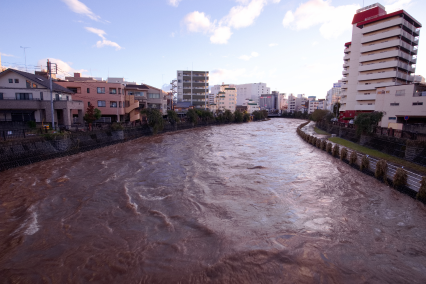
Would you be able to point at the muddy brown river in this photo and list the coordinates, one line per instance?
(249, 203)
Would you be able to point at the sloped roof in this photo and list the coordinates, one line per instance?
(40, 80)
(144, 87)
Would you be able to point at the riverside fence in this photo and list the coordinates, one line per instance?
(413, 184)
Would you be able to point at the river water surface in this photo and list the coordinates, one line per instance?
(249, 203)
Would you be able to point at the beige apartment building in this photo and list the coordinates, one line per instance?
(225, 97)
(381, 54)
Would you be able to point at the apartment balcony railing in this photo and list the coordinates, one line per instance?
(388, 64)
(370, 86)
(346, 65)
(419, 94)
(388, 44)
(347, 49)
(365, 97)
(345, 72)
(391, 23)
(389, 74)
(346, 57)
(387, 54)
(365, 107)
(386, 34)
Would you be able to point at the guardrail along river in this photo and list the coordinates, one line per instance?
(249, 203)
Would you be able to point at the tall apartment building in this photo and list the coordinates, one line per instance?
(381, 54)
(333, 95)
(193, 86)
(274, 101)
(251, 91)
(226, 97)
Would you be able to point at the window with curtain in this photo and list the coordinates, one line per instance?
(154, 96)
(101, 104)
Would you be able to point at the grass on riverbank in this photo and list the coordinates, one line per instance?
(321, 132)
(379, 155)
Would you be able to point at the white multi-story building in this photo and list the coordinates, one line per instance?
(225, 97)
(251, 91)
(193, 86)
(333, 95)
(251, 106)
(297, 103)
(381, 54)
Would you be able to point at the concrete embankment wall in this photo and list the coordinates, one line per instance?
(15, 153)
(413, 180)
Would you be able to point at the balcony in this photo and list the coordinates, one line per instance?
(344, 79)
(363, 87)
(387, 54)
(347, 49)
(374, 76)
(344, 85)
(365, 107)
(377, 46)
(388, 64)
(346, 65)
(366, 97)
(346, 57)
(382, 35)
(345, 72)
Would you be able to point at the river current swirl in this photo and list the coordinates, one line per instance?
(249, 203)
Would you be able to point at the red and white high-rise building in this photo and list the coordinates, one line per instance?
(382, 53)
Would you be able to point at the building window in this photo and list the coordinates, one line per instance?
(417, 104)
(394, 104)
(41, 95)
(113, 91)
(10, 80)
(101, 103)
(154, 96)
(24, 96)
(88, 90)
(400, 93)
(119, 104)
(34, 85)
(139, 94)
(16, 81)
(68, 98)
(28, 84)
(119, 91)
(113, 104)
(101, 90)
(392, 118)
(74, 90)
(58, 97)
(88, 104)
(1, 96)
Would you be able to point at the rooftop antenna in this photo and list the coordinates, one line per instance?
(25, 53)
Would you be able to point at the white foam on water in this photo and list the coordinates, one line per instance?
(126, 191)
(33, 226)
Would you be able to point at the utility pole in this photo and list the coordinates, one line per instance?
(25, 54)
(49, 68)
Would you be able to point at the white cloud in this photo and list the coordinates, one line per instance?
(174, 3)
(221, 35)
(334, 21)
(273, 44)
(104, 41)
(219, 76)
(396, 5)
(80, 8)
(244, 16)
(7, 55)
(240, 16)
(314, 43)
(248, 57)
(197, 22)
(172, 34)
(64, 69)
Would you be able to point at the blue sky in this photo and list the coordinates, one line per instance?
(293, 46)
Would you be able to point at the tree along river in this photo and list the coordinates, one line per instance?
(248, 203)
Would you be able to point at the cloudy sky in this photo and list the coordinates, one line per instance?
(294, 46)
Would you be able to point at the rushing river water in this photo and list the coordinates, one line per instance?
(249, 203)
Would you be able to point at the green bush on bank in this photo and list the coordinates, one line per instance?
(343, 154)
(336, 150)
(365, 163)
(421, 195)
(353, 158)
(381, 170)
(400, 178)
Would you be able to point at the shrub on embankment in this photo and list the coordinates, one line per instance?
(400, 179)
